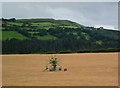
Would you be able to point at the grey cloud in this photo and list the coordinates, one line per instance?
(87, 13)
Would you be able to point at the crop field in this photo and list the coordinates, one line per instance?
(84, 69)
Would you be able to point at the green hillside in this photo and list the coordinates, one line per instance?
(12, 34)
(34, 28)
(46, 35)
(44, 23)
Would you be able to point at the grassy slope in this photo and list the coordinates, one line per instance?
(12, 34)
(47, 23)
(40, 24)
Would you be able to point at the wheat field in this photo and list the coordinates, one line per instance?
(84, 69)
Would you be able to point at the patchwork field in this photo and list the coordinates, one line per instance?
(86, 69)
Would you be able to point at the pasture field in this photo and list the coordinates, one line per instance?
(9, 35)
(84, 69)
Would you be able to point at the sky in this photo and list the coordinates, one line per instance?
(93, 14)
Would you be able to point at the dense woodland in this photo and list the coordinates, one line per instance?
(25, 36)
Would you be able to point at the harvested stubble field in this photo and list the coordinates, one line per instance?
(85, 69)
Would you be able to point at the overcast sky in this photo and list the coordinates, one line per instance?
(87, 13)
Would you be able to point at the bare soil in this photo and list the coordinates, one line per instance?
(86, 69)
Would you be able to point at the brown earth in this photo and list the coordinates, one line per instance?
(86, 69)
